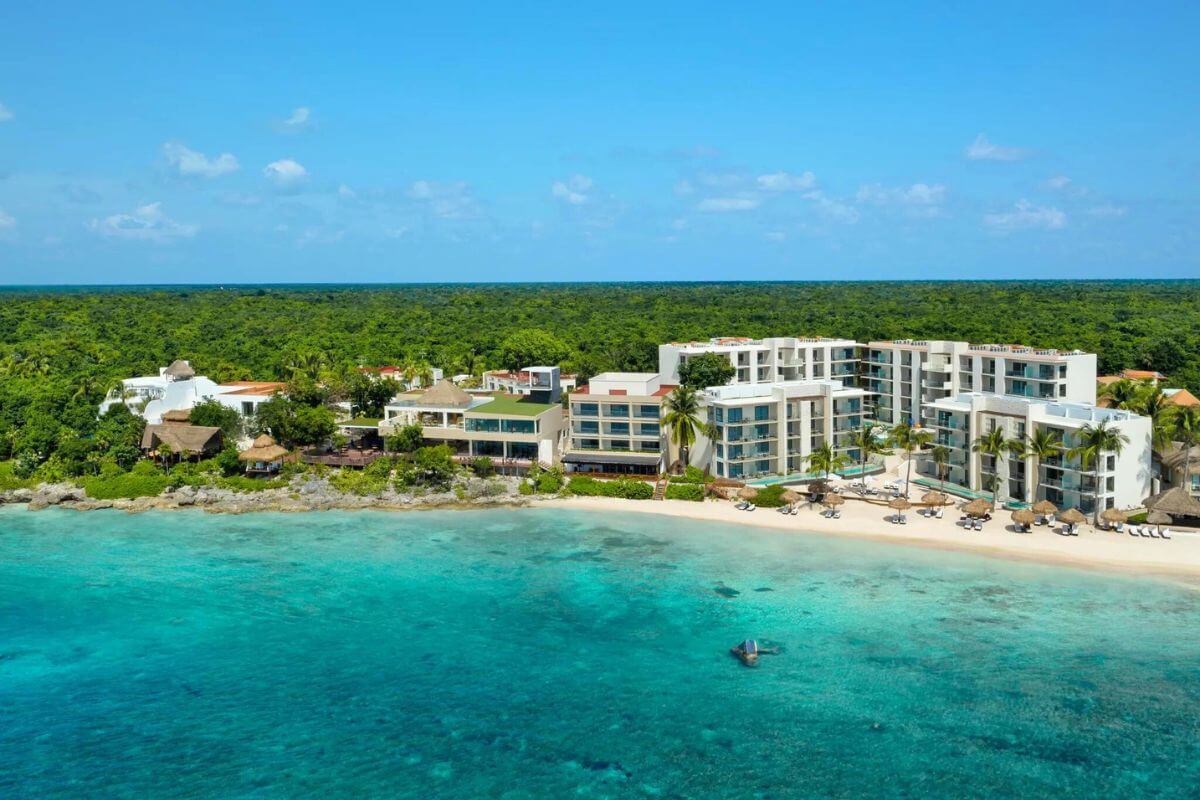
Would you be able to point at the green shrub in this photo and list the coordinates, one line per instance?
(549, 481)
(770, 497)
(684, 491)
(692, 475)
(244, 483)
(483, 467)
(144, 480)
(9, 479)
(359, 482)
(1137, 519)
(627, 488)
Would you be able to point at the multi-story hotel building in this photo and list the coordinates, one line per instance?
(957, 422)
(616, 424)
(769, 360)
(906, 376)
(771, 428)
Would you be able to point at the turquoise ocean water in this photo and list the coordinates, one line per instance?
(542, 654)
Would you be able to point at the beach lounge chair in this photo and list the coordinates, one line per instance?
(837, 515)
(1119, 527)
(903, 520)
(751, 507)
(1146, 531)
(1165, 533)
(742, 505)
(977, 525)
(1154, 533)
(939, 513)
(1134, 530)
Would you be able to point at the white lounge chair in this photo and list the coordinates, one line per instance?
(903, 520)
(1134, 530)
(1165, 533)
(837, 515)
(751, 507)
(1119, 527)
(1146, 531)
(939, 513)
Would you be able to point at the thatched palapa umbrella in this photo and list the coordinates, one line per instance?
(934, 498)
(977, 508)
(1114, 515)
(1072, 516)
(264, 449)
(899, 504)
(1176, 502)
(833, 500)
(1158, 518)
(1044, 507)
(791, 496)
(747, 493)
(1023, 516)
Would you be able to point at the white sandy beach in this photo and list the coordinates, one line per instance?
(1179, 557)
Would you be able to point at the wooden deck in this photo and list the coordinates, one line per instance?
(343, 458)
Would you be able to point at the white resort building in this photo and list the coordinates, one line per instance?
(178, 388)
(616, 424)
(769, 360)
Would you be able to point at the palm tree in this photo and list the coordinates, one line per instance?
(1185, 426)
(1041, 446)
(995, 444)
(1157, 405)
(307, 364)
(826, 460)
(868, 444)
(941, 460)
(1123, 393)
(910, 439)
(1094, 442)
(682, 419)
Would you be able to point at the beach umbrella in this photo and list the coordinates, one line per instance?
(747, 493)
(899, 504)
(977, 508)
(1072, 516)
(1114, 515)
(832, 500)
(1023, 516)
(791, 497)
(1044, 507)
(1158, 518)
(264, 449)
(1176, 502)
(934, 498)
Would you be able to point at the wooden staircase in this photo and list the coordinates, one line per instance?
(660, 487)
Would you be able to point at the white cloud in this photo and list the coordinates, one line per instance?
(1107, 211)
(146, 223)
(1026, 215)
(298, 120)
(919, 194)
(740, 203)
(190, 163)
(346, 193)
(834, 209)
(285, 173)
(574, 190)
(1057, 183)
(786, 182)
(8, 224)
(776, 236)
(5, 114)
(446, 200)
(983, 150)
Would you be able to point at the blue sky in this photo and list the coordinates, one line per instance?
(313, 142)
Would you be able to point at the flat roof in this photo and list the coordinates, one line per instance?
(512, 405)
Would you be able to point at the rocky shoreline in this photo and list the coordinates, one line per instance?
(303, 494)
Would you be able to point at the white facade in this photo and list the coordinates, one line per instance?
(769, 360)
(771, 428)
(518, 382)
(1124, 477)
(151, 396)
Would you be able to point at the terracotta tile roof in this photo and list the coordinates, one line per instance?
(255, 387)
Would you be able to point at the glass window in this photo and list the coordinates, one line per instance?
(617, 410)
(518, 426)
(762, 412)
(734, 415)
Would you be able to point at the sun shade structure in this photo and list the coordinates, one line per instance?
(1044, 507)
(178, 438)
(977, 508)
(1072, 516)
(177, 415)
(900, 504)
(1114, 515)
(791, 497)
(933, 498)
(1176, 502)
(180, 370)
(1023, 516)
(1158, 518)
(264, 449)
(747, 493)
(832, 500)
(444, 394)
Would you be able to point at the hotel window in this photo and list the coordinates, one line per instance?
(619, 444)
(763, 466)
(587, 409)
(616, 410)
(718, 415)
(588, 427)
(247, 408)
(734, 415)
(762, 412)
(648, 411)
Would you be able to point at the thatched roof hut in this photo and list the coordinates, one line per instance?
(1072, 516)
(195, 439)
(1114, 515)
(264, 449)
(177, 415)
(1158, 518)
(1176, 502)
(977, 508)
(444, 393)
(1044, 507)
(180, 370)
(1023, 516)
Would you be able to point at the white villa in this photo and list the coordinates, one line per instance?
(178, 388)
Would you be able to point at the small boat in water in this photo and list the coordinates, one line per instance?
(746, 652)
